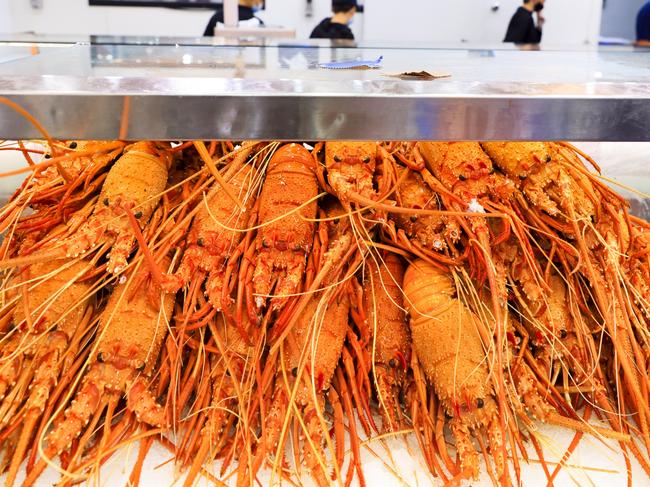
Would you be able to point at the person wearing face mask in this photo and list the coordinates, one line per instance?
(338, 25)
(247, 9)
(522, 28)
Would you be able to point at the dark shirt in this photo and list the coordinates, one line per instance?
(330, 30)
(522, 29)
(643, 23)
(245, 13)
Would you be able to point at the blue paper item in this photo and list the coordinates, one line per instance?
(352, 64)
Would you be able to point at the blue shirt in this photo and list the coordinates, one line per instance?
(643, 23)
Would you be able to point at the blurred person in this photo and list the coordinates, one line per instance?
(522, 28)
(247, 10)
(643, 26)
(338, 25)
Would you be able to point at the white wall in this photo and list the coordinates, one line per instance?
(76, 17)
(568, 22)
(5, 16)
(619, 18)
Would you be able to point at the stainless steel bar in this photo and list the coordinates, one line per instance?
(331, 117)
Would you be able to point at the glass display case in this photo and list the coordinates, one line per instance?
(143, 89)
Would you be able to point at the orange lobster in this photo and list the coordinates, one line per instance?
(210, 243)
(391, 342)
(50, 320)
(351, 168)
(133, 186)
(287, 203)
(311, 356)
(130, 337)
(447, 343)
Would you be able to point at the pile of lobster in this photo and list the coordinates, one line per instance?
(266, 303)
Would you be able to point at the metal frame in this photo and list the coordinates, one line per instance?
(203, 4)
(150, 92)
(329, 117)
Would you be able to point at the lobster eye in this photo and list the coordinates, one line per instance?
(106, 201)
(414, 218)
(480, 403)
(522, 176)
(366, 159)
(294, 371)
(100, 358)
(392, 362)
(199, 242)
(548, 158)
(337, 158)
(462, 177)
(138, 214)
(73, 145)
(563, 333)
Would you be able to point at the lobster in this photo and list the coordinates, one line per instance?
(351, 168)
(49, 320)
(391, 342)
(311, 360)
(447, 343)
(210, 240)
(229, 373)
(130, 336)
(287, 203)
(595, 218)
(132, 187)
(310, 350)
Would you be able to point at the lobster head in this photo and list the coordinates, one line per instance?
(351, 166)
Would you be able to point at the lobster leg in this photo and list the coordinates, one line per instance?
(342, 388)
(43, 382)
(89, 235)
(271, 438)
(120, 251)
(9, 371)
(496, 442)
(464, 448)
(214, 287)
(339, 429)
(388, 403)
(312, 450)
(289, 282)
(140, 400)
(263, 277)
(78, 414)
(47, 374)
(350, 367)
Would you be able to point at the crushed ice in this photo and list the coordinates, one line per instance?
(475, 206)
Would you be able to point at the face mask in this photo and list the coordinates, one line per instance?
(538, 7)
